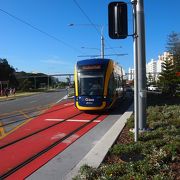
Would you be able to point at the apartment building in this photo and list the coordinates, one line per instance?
(153, 68)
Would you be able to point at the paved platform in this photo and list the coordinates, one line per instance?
(96, 155)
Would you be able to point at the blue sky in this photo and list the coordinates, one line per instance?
(30, 50)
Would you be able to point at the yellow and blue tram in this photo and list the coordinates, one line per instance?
(98, 84)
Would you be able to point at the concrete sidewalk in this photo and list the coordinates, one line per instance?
(97, 154)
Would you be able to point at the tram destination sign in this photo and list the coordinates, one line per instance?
(90, 67)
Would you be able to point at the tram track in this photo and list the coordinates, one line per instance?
(38, 154)
(40, 130)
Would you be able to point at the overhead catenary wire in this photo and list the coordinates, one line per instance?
(91, 22)
(87, 17)
(40, 30)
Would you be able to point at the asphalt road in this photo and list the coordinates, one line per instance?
(33, 101)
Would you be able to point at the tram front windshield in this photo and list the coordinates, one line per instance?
(90, 83)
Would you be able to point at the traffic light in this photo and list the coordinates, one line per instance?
(117, 16)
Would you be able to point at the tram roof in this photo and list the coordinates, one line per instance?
(92, 61)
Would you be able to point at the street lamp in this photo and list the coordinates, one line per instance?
(102, 37)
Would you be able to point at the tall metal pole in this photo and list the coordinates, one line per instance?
(102, 47)
(102, 43)
(141, 64)
(136, 128)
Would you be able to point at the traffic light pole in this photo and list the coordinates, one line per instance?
(118, 30)
(141, 65)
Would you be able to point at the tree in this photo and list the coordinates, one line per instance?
(171, 65)
(168, 79)
(68, 80)
(7, 72)
(26, 85)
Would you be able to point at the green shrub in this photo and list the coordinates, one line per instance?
(175, 122)
(150, 135)
(151, 144)
(130, 122)
(132, 148)
(157, 124)
(87, 172)
(154, 114)
(154, 151)
(162, 176)
(133, 176)
(113, 170)
(172, 149)
(143, 167)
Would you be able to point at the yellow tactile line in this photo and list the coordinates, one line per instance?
(28, 119)
(5, 134)
(24, 114)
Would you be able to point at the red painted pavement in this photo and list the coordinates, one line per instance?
(19, 152)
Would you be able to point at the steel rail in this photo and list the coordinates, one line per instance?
(36, 132)
(8, 173)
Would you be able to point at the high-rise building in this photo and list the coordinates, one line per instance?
(161, 58)
(153, 68)
(130, 74)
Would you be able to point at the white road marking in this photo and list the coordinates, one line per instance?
(73, 120)
(81, 120)
(54, 119)
(65, 97)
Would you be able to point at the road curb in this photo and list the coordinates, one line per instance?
(9, 99)
(96, 155)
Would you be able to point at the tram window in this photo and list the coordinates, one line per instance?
(90, 84)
